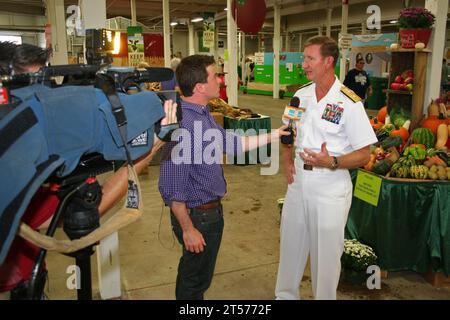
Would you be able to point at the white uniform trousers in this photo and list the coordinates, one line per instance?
(313, 219)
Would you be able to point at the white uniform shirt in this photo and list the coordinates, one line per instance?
(337, 120)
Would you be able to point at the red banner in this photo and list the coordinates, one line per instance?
(153, 45)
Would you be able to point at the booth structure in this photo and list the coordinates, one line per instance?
(292, 75)
(374, 49)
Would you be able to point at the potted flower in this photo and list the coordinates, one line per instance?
(415, 26)
(355, 260)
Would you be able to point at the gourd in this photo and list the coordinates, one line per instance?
(381, 167)
(393, 141)
(442, 136)
(419, 45)
(375, 123)
(381, 116)
(433, 109)
(403, 131)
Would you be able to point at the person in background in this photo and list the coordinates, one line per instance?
(358, 80)
(248, 71)
(172, 84)
(222, 86)
(23, 58)
(333, 135)
(192, 187)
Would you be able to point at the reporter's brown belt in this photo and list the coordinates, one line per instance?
(209, 205)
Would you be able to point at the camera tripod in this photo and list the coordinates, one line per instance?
(80, 195)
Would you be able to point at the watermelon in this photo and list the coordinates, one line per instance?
(423, 136)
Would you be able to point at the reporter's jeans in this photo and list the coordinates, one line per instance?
(195, 270)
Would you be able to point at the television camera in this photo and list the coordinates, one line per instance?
(122, 120)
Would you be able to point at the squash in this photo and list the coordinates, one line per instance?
(375, 123)
(433, 122)
(441, 136)
(403, 131)
(381, 167)
(381, 116)
(433, 109)
(393, 141)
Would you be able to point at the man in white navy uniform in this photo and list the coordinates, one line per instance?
(333, 135)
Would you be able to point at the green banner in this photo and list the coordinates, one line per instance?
(367, 187)
(135, 46)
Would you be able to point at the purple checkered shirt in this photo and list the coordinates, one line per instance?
(196, 182)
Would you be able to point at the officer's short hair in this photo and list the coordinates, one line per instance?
(328, 47)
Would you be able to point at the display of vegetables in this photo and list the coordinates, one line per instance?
(423, 154)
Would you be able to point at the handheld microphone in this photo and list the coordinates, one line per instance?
(293, 113)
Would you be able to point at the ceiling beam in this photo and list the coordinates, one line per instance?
(8, 7)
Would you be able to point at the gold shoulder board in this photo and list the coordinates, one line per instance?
(350, 94)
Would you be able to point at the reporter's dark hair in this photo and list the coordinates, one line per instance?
(192, 70)
(328, 47)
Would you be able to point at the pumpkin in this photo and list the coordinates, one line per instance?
(381, 116)
(433, 109)
(375, 123)
(402, 132)
(433, 122)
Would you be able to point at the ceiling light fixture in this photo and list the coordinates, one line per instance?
(173, 24)
(198, 19)
(393, 21)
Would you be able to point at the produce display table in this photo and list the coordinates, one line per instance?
(264, 122)
(410, 227)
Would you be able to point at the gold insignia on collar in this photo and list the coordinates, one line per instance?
(350, 94)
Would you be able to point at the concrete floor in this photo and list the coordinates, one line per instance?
(248, 259)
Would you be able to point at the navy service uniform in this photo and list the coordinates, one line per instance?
(318, 201)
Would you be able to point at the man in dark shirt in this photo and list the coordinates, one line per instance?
(358, 80)
(191, 178)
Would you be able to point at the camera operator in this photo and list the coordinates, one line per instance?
(24, 58)
(16, 270)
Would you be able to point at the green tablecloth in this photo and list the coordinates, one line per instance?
(257, 124)
(410, 228)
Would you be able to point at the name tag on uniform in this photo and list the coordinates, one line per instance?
(333, 113)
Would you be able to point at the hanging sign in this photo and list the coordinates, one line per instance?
(135, 46)
(208, 31)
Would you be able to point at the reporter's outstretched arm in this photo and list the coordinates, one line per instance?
(253, 142)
